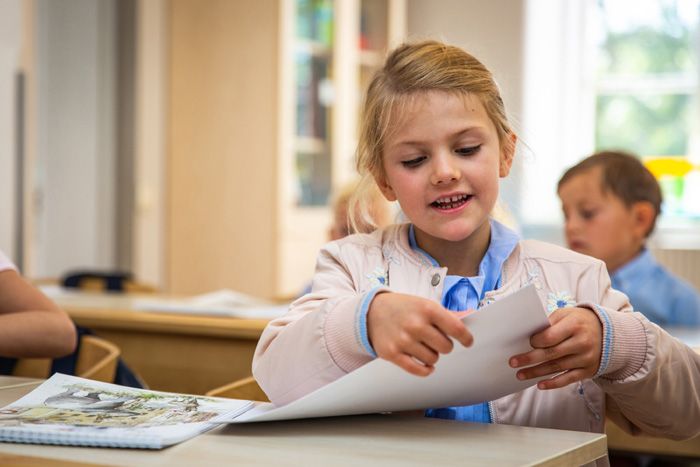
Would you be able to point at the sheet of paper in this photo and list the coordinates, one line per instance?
(463, 377)
(218, 303)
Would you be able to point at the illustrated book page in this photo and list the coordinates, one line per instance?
(70, 410)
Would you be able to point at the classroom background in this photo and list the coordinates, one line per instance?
(197, 143)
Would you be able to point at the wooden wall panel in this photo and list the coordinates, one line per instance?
(222, 145)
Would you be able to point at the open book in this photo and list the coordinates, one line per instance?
(70, 410)
(81, 412)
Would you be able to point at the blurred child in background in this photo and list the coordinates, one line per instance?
(611, 203)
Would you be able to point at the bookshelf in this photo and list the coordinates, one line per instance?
(270, 108)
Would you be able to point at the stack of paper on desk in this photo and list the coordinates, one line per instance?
(71, 410)
(218, 303)
(463, 377)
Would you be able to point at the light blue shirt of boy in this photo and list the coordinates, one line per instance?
(656, 293)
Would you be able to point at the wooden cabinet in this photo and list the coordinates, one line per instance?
(263, 102)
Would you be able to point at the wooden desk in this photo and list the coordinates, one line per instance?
(171, 352)
(618, 440)
(384, 440)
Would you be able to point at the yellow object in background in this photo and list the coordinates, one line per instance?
(673, 166)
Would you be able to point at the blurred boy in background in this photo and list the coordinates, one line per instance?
(611, 203)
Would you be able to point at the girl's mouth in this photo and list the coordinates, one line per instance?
(450, 202)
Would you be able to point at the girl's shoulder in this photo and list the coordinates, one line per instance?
(549, 252)
(391, 236)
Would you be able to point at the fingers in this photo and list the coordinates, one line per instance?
(412, 366)
(451, 325)
(563, 379)
(551, 367)
(536, 356)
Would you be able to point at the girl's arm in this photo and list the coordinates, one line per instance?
(316, 341)
(31, 325)
(651, 380)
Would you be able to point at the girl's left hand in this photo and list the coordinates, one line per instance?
(570, 349)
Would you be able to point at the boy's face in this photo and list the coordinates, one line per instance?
(598, 223)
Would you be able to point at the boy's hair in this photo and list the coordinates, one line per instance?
(412, 69)
(624, 175)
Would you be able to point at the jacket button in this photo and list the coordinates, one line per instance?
(435, 280)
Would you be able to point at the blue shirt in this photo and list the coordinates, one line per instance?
(659, 295)
(463, 293)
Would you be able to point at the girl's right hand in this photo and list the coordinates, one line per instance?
(413, 331)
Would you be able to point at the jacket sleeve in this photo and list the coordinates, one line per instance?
(319, 339)
(651, 380)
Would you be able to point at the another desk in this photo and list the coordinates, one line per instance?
(172, 352)
(384, 440)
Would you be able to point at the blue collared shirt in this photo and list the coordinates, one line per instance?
(464, 293)
(655, 292)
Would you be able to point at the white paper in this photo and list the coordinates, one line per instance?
(218, 303)
(463, 377)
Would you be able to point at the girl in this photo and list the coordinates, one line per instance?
(435, 138)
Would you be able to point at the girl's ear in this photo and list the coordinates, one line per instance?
(507, 154)
(385, 188)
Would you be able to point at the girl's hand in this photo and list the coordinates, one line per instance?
(570, 348)
(412, 332)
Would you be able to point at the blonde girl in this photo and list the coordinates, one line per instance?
(435, 138)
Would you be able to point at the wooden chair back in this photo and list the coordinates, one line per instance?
(97, 360)
(246, 388)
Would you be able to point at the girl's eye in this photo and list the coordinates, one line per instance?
(468, 151)
(411, 163)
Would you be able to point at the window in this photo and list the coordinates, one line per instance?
(647, 92)
(616, 75)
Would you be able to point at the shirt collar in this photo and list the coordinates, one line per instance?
(502, 244)
(634, 268)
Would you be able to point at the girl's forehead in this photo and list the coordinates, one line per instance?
(408, 108)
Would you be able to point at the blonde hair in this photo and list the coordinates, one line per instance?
(412, 69)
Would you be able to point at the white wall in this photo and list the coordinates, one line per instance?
(75, 218)
(10, 24)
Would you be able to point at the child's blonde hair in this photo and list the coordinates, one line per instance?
(409, 70)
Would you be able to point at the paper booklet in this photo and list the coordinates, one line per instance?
(80, 412)
(465, 376)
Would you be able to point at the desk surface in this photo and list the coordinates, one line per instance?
(397, 439)
(117, 311)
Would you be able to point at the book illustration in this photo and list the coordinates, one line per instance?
(84, 405)
(71, 410)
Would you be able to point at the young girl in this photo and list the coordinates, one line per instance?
(435, 138)
(31, 326)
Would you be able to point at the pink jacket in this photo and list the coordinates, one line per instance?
(648, 381)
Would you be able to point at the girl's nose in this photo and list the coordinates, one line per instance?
(444, 170)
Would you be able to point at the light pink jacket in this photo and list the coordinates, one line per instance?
(649, 382)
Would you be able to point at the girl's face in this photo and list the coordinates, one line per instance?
(442, 163)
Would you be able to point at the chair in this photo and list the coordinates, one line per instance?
(246, 388)
(100, 281)
(97, 360)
